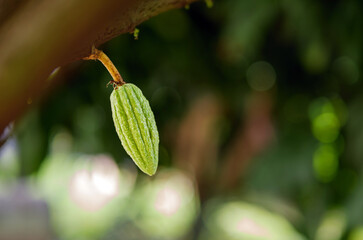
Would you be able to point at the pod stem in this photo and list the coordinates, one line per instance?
(102, 57)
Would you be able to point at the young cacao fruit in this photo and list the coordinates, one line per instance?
(135, 125)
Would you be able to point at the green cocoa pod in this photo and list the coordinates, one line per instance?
(135, 125)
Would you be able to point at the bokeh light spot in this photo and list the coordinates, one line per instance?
(315, 56)
(261, 76)
(345, 69)
(168, 205)
(91, 190)
(105, 176)
(168, 201)
(241, 220)
(332, 226)
(325, 163)
(326, 127)
(246, 225)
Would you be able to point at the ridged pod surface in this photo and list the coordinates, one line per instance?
(135, 125)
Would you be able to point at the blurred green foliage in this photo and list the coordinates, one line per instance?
(305, 55)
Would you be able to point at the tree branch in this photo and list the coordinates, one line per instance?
(44, 34)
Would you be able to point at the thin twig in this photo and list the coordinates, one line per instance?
(102, 57)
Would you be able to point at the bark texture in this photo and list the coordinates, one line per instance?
(37, 36)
